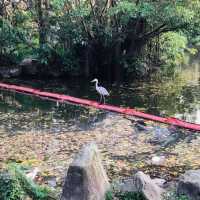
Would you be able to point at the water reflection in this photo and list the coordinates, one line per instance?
(19, 113)
(176, 96)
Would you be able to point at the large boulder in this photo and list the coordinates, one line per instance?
(142, 183)
(86, 178)
(189, 185)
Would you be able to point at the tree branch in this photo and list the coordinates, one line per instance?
(155, 31)
(104, 8)
(165, 30)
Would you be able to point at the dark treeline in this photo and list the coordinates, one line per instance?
(106, 38)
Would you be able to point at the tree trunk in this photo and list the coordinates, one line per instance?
(116, 66)
(87, 62)
(41, 23)
(46, 21)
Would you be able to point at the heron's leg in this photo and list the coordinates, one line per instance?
(104, 99)
(100, 98)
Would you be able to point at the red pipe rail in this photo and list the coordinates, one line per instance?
(85, 102)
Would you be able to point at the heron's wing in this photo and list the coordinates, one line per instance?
(103, 91)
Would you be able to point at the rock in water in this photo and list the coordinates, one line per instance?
(189, 185)
(86, 178)
(143, 184)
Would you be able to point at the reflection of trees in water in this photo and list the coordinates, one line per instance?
(24, 112)
(169, 96)
(176, 95)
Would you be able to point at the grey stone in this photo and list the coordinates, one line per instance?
(159, 182)
(144, 184)
(141, 183)
(125, 185)
(52, 182)
(189, 185)
(160, 134)
(86, 178)
(165, 136)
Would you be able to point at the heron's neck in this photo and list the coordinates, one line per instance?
(96, 84)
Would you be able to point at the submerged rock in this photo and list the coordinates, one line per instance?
(86, 178)
(160, 134)
(165, 136)
(189, 185)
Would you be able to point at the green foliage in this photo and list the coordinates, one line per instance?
(124, 10)
(68, 28)
(125, 196)
(9, 36)
(182, 198)
(146, 10)
(14, 185)
(172, 195)
(130, 196)
(175, 197)
(10, 188)
(13, 41)
(109, 195)
(173, 47)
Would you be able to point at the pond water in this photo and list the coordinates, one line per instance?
(29, 120)
(177, 95)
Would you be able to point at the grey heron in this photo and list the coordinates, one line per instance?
(101, 90)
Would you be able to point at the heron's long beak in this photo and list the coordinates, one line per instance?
(92, 81)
